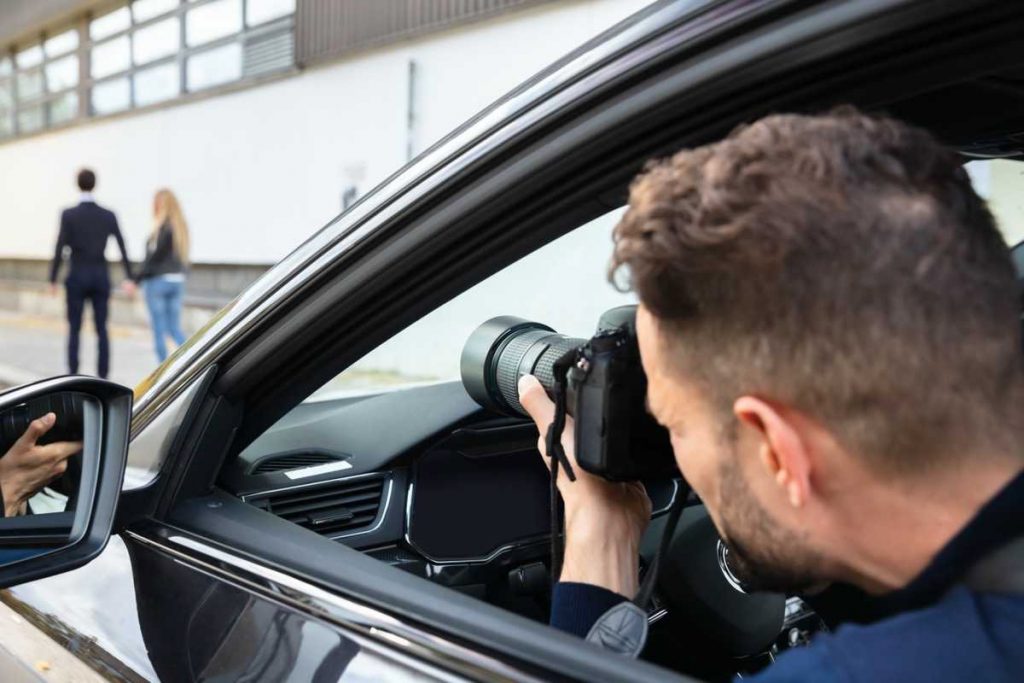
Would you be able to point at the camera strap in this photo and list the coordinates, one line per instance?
(623, 629)
(557, 456)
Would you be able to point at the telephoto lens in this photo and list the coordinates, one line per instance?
(504, 349)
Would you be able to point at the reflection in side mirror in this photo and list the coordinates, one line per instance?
(42, 449)
(62, 451)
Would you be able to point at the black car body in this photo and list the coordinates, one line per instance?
(208, 578)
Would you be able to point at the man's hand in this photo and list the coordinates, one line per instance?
(28, 467)
(604, 520)
(52, 289)
(129, 288)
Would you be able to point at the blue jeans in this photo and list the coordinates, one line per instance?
(163, 298)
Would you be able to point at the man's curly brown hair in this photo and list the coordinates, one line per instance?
(843, 265)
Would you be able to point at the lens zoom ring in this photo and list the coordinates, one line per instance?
(544, 370)
(507, 371)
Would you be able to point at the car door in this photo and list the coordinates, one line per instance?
(549, 177)
(193, 581)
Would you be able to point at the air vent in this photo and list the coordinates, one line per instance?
(292, 461)
(330, 509)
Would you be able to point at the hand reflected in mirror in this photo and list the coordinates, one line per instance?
(28, 466)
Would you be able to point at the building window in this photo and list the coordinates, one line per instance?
(30, 84)
(215, 67)
(143, 10)
(140, 53)
(111, 57)
(157, 84)
(6, 107)
(63, 108)
(30, 119)
(109, 24)
(156, 40)
(30, 56)
(213, 20)
(111, 96)
(61, 43)
(62, 73)
(261, 11)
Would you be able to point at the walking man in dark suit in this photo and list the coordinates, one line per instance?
(84, 230)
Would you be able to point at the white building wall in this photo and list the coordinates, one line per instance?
(261, 169)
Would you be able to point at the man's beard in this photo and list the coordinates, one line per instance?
(762, 554)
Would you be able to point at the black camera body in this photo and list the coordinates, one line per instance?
(605, 385)
(616, 437)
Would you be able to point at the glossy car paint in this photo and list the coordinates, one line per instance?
(152, 610)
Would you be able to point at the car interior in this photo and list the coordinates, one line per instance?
(449, 492)
(391, 457)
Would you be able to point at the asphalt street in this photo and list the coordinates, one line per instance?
(34, 347)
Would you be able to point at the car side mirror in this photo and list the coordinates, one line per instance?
(63, 448)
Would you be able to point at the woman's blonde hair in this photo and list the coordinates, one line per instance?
(166, 209)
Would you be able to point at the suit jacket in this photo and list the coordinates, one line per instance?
(84, 231)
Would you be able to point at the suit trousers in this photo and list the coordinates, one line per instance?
(92, 284)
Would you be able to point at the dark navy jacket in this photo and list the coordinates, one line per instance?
(84, 230)
(934, 629)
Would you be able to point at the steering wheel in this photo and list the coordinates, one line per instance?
(705, 599)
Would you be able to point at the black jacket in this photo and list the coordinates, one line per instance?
(161, 258)
(84, 230)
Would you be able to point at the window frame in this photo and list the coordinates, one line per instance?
(86, 82)
(46, 99)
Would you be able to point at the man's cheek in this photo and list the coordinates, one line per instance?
(692, 464)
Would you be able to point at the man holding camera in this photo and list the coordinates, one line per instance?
(27, 466)
(830, 329)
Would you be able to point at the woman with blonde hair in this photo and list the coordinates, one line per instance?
(163, 272)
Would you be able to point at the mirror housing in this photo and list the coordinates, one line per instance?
(97, 413)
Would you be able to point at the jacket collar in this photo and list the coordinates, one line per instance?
(998, 522)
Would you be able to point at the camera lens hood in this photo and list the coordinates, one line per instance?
(482, 353)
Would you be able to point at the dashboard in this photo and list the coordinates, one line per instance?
(422, 478)
(427, 481)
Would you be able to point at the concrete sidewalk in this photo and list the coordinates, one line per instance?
(34, 347)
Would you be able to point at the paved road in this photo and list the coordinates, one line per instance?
(33, 347)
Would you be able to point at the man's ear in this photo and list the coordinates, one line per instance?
(782, 449)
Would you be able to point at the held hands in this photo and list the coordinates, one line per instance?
(28, 467)
(129, 288)
(604, 521)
